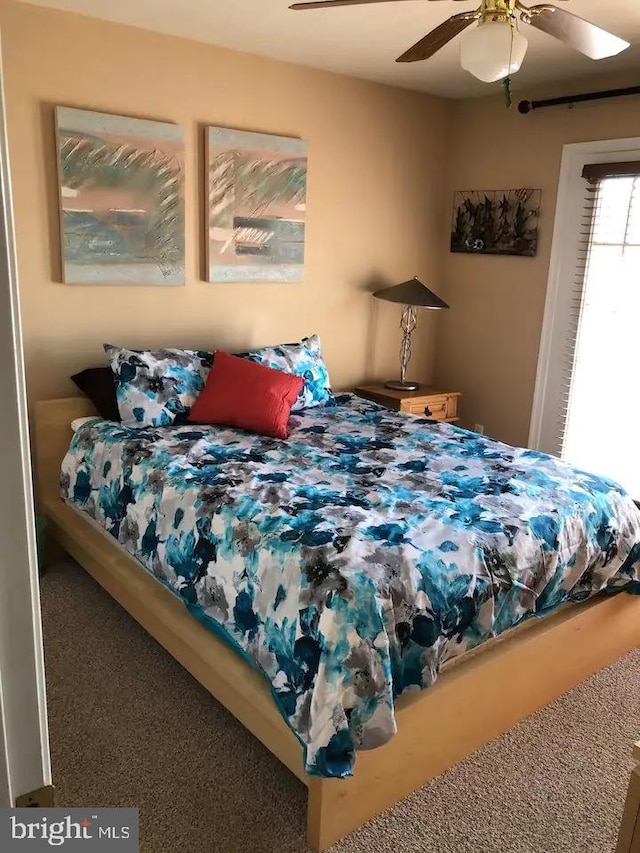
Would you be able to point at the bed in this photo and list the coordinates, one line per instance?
(343, 453)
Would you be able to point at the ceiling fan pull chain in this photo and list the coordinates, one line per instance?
(506, 83)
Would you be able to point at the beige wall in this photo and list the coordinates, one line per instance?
(383, 165)
(375, 199)
(488, 343)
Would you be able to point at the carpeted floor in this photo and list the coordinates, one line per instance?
(130, 727)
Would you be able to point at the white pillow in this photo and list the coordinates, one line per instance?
(80, 422)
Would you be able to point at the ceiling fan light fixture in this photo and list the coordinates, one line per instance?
(493, 50)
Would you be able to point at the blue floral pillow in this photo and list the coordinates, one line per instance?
(305, 360)
(157, 388)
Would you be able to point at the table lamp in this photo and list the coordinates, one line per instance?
(412, 294)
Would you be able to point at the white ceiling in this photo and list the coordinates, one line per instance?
(364, 41)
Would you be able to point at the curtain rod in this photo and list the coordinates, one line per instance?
(527, 106)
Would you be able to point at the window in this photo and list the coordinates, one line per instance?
(603, 405)
(587, 407)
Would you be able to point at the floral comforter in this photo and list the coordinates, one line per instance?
(349, 562)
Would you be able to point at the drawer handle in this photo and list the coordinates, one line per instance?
(428, 411)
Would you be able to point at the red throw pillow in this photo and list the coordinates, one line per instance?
(247, 395)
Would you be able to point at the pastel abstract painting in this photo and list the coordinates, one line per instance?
(121, 184)
(257, 206)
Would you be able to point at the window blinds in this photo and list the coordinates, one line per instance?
(598, 411)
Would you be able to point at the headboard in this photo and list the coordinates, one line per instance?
(52, 436)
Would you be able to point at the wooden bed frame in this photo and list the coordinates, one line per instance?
(471, 704)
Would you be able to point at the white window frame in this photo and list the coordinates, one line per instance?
(564, 255)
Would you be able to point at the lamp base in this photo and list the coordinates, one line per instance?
(402, 386)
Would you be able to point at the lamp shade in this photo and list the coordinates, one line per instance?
(493, 50)
(412, 292)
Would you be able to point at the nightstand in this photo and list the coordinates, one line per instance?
(428, 401)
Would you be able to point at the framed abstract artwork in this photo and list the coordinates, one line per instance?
(496, 222)
(257, 192)
(121, 190)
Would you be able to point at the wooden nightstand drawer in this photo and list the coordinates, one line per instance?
(429, 407)
(427, 401)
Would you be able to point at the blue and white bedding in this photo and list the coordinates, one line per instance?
(351, 561)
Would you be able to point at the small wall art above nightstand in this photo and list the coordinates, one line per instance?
(430, 401)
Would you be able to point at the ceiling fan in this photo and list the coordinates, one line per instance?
(495, 48)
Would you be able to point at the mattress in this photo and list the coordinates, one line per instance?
(351, 562)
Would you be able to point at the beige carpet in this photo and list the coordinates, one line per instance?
(130, 727)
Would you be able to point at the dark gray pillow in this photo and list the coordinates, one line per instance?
(98, 385)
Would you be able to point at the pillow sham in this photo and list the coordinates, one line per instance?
(250, 396)
(304, 360)
(98, 385)
(157, 387)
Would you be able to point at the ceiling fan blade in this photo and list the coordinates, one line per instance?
(437, 38)
(582, 35)
(328, 4)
